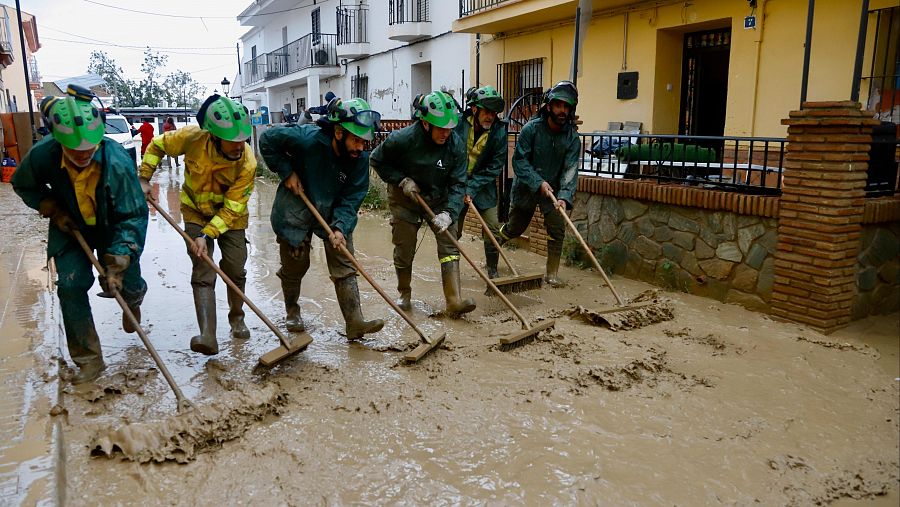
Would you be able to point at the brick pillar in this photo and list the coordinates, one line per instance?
(821, 210)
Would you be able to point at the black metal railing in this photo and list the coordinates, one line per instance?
(255, 70)
(351, 25)
(34, 73)
(311, 50)
(408, 11)
(467, 7)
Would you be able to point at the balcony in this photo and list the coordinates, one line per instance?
(314, 50)
(352, 33)
(34, 75)
(6, 49)
(409, 20)
(503, 16)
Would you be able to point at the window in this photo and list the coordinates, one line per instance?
(884, 73)
(359, 86)
(253, 52)
(284, 36)
(516, 79)
(301, 105)
(316, 26)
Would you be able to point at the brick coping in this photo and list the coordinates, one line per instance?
(680, 195)
(877, 210)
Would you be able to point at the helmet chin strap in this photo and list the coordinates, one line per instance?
(218, 144)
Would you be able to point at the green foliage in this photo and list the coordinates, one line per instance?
(178, 89)
(573, 254)
(374, 199)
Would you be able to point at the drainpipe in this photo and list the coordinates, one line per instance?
(860, 48)
(809, 26)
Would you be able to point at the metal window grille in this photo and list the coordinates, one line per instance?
(351, 25)
(515, 79)
(884, 73)
(359, 86)
(316, 25)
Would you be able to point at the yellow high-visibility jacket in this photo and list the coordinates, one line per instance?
(215, 190)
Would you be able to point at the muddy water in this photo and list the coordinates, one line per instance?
(719, 405)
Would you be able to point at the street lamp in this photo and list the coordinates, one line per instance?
(225, 85)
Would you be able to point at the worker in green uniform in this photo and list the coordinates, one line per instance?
(485, 137)
(545, 163)
(429, 159)
(327, 162)
(82, 181)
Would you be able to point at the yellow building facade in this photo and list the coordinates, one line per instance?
(699, 70)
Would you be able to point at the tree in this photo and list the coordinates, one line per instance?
(177, 88)
(182, 90)
(121, 89)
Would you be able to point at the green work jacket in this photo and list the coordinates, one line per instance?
(482, 182)
(336, 186)
(542, 155)
(438, 170)
(121, 226)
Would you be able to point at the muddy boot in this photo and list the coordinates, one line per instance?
(491, 257)
(404, 281)
(552, 276)
(236, 316)
(347, 292)
(205, 304)
(85, 351)
(126, 322)
(450, 278)
(89, 371)
(292, 320)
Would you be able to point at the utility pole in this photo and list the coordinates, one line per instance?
(27, 76)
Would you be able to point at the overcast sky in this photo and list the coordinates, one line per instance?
(83, 20)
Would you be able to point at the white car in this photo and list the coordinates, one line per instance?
(120, 130)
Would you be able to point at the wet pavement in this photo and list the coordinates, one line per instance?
(719, 406)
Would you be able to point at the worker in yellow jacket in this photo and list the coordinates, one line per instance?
(218, 181)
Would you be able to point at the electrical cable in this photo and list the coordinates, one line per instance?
(113, 43)
(200, 17)
(137, 48)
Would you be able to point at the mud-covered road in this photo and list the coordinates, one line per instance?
(718, 406)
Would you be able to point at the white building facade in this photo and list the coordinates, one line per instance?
(385, 51)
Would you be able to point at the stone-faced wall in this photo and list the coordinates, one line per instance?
(716, 254)
(878, 271)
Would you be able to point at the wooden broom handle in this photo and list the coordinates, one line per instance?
(490, 235)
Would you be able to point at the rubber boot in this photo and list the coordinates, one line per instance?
(450, 278)
(292, 321)
(205, 304)
(552, 276)
(404, 287)
(236, 315)
(126, 322)
(491, 257)
(347, 292)
(87, 355)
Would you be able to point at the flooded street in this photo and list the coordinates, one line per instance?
(718, 406)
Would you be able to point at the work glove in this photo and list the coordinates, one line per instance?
(409, 187)
(145, 187)
(442, 221)
(115, 272)
(50, 208)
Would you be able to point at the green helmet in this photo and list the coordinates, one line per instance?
(73, 120)
(487, 97)
(355, 116)
(564, 91)
(225, 119)
(439, 109)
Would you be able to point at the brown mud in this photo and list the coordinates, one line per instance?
(718, 406)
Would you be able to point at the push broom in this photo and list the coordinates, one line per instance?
(516, 282)
(429, 343)
(182, 402)
(288, 348)
(622, 316)
(528, 332)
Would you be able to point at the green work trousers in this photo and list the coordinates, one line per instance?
(405, 225)
(520, 217)
(295, 261)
